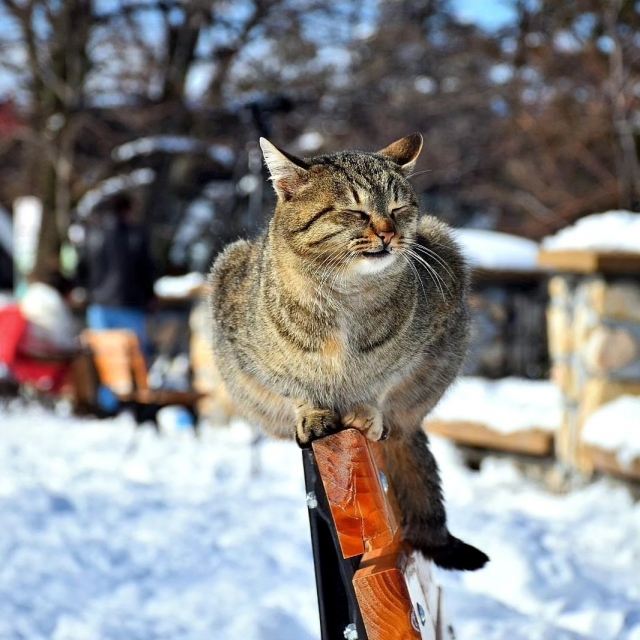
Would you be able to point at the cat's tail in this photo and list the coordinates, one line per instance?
(415, 478)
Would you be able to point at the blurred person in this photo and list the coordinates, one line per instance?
(51, 330)
(40, 339)
(116, 269)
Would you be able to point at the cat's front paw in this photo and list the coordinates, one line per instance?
(314, 424)
(366, 419)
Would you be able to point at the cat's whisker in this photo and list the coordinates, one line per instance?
(418, 173)
(327, 261)
(435, 255)
(342, 260)
(422, 260)
(341, 273)
(328, 257)
(416, 275)
(435, 276)
(415, 246)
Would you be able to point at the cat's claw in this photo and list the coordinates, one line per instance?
(368, 420)
(314, 424)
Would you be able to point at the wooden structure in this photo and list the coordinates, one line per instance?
(508, 336)
(594, 342)
(385, 589)
(120, 366)
(591, 262)
(532, 442)
(508, 339)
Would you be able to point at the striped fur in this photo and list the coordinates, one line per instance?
(313, 330)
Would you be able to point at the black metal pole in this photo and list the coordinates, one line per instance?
(337, 601)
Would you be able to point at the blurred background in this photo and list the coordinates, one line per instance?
(136, 124)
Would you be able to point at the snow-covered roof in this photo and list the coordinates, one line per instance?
(498, 251)
(610, 231)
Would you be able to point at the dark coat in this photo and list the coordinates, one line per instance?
(116, 266)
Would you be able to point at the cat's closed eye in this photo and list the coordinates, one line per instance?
(399, 209)
(358, 212)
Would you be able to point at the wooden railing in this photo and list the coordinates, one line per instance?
(371, 585)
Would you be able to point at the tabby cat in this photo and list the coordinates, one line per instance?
(349, 311)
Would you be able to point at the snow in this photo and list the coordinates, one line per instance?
(112, 186)
(173, 144)
(178, 286)
(610, 231)
(498, 251)
(506, 405)
(616, 427)
(176, 540)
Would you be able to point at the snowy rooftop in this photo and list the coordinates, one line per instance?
(176, 541)
(506, 405)
(498, 251)
(610, 231)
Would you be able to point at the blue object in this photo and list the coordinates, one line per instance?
(100, 317)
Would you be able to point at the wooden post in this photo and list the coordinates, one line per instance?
(395, 593)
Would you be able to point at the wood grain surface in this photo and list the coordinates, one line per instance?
(397, 595)
(394, 585)
(359, 505)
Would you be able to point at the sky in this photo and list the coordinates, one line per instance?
(488, 14)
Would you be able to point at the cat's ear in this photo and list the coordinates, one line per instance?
(288, 173)
(404, 152)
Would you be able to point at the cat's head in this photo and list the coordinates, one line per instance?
(352, 210)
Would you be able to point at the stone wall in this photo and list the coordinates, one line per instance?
(594, 345)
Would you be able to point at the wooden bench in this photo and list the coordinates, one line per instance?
(388, 587)
(531, 442)
(120, 366)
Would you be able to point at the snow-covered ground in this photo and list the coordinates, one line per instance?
(506, 405)
(615, 427)
(177, 541)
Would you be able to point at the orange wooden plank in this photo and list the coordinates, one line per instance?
(397, 596)
(359, 505)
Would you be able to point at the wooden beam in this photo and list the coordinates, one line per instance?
(533, 442)
(581, 261)
(596, 459)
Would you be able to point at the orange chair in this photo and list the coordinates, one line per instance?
(121, 367)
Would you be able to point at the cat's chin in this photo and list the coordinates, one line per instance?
(374, 263)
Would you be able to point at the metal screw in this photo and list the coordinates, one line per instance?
(312, 501)
(384, 482)
(421, 614)
(350, 632)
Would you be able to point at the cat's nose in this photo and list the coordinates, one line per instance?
(386, 236)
